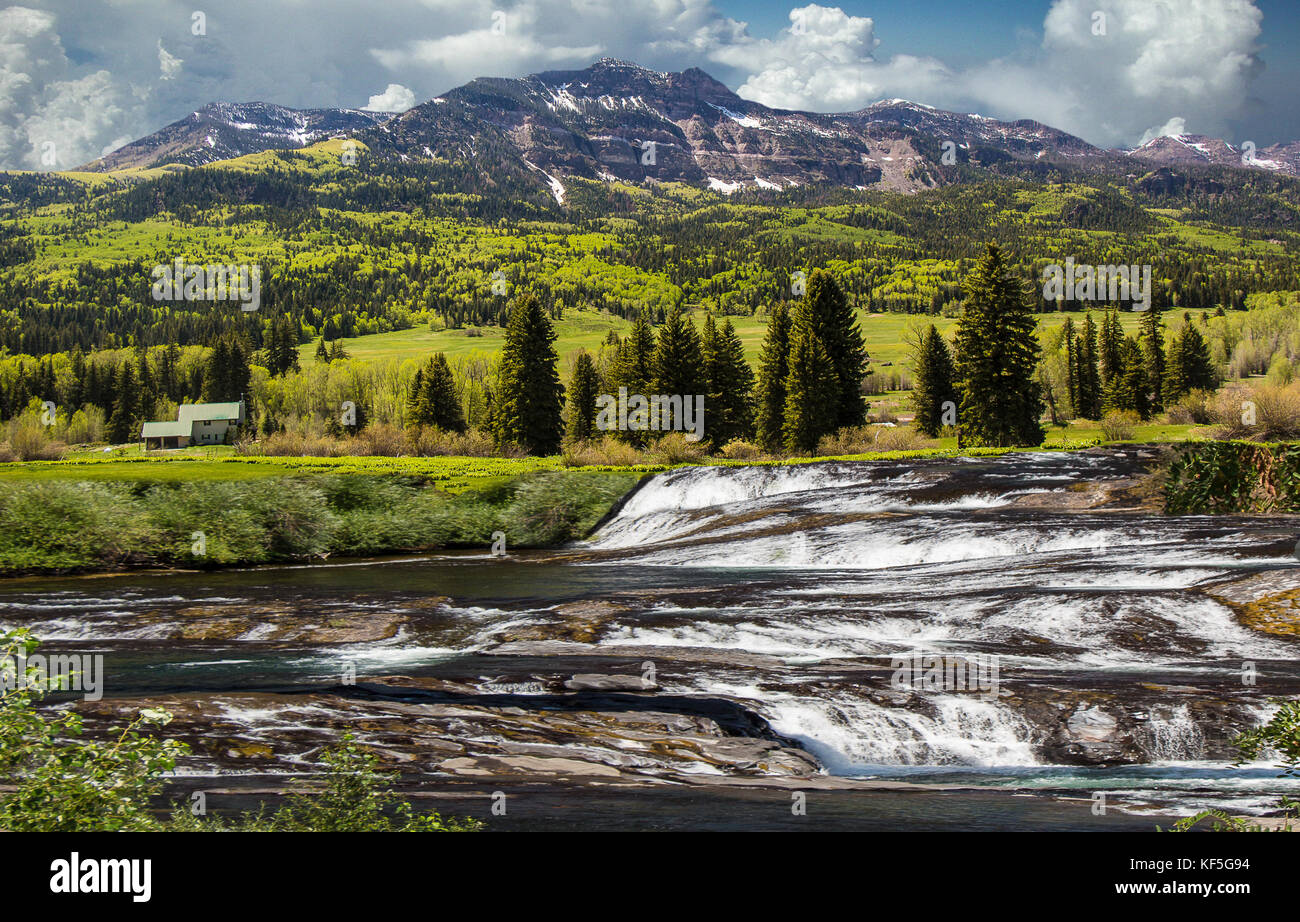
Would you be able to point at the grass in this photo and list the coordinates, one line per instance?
(884, 334)
(451, 475)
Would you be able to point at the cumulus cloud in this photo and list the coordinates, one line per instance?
(396, 98)
(168, 64)
(48, 118)
(1175, 126)
(1106, 70)
(83, 77)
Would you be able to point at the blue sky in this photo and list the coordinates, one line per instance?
(89, 77)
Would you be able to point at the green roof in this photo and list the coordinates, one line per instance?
(201, 411)
(158, 430)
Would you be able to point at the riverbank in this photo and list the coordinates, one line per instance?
(92, 514)
(107, 514)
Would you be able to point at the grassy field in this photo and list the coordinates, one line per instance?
(452, 475)
(885, 336)
(456, 474)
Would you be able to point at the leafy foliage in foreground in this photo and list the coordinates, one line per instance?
(354, 796)
(1280, 735)
(62, 781)
(1236, 476)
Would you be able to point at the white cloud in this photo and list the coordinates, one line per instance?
(168, 64)
(84, 78)
(48, 119)
(1175, 126)
(1155, 58)
(396, 98)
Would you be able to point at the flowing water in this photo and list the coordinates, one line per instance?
(785, 593)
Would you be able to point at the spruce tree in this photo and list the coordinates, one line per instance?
(934, 382)
(216, 372)
(124, 424)
(1188, 365)
(1152, 340)
(997, 353)
(826, 310)
(147, 385)
(773, 367)
(322, 354)
(1071, 365)
(633, 364)
(730, 382)
(1128, 388)
(583, 390)
(1089, 376)
(812, 391)
(527, 400)
(433, 400)
(678, 359)
(1110, 356)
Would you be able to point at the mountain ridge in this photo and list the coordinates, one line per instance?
(616, 120)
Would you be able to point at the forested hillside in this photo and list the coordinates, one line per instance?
(348, 249)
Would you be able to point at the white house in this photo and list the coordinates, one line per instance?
(196, 424)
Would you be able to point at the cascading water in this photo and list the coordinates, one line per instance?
(791, 592)
(1082, 608)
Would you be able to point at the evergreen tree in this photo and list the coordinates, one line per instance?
(826, 310)
(1128, 388)
(1188, 365)
(147, 386)
(633, 364)
(124, 424)
(997, 353)
(1089, 376)
(812, 391)
(1152, 340)
(227, 374)
(1110, 357)
(1071, 365)
(216, 372)
(730, 382)
(433, 400)
(773, 367)
(528, 397)
(934, 382)
(322, 354)
(584, 388)
(678, 359)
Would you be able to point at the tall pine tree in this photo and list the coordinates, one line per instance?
(583, 390)
(997, 354)
(934, 382)
(826, 311)
(729, 384)
(528, 397)
(1089, 383)
(812, 391)
(773, 367)
(1152, 340)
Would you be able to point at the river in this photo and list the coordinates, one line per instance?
(723, 653)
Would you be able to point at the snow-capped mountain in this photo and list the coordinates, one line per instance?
(1196, 149)
(223, 130)
(615, 120)
(618, 121)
